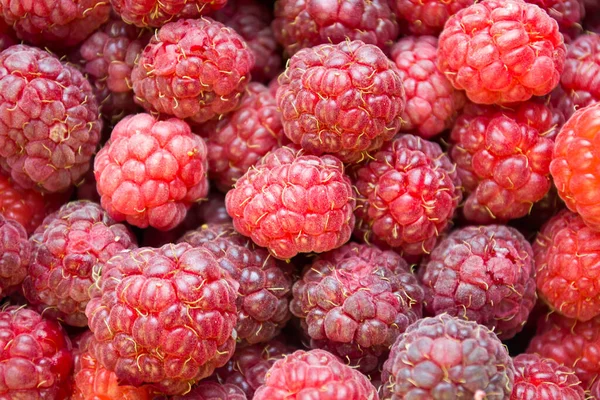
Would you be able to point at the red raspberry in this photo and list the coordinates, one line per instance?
(427, 17)
(431, 101)
(54, 125)
(407, 194)
(503, 157)
(86, 189)
(207, 390)
(355, 301)
(292, 203)
(314, 374)
(502, 51)
(150, 171)
(540, 378)
(303, 24)
(36, 358)
(575, 164)
(595, 390)
(448, 358)
(157, 13)
(568, 13)
(15, 252)
(69, 250)
(343, 99)
(195, 69)
(484, 274)
(165, 317)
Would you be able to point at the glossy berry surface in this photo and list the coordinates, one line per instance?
(15, 253)
(155, 13)
(427, 17)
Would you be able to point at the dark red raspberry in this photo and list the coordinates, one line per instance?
(207, 390)
(157, 13)
(15, 252)
(568, 13)
(69, 250)
(538, 378)
(343, 99)
(7, 36)
(503, 157)
(502, 51)
(150, 172)
(355, 301)
(427, 17)
(575, 164)
(36, 359)
(448, 358)
(314, 374)
(265, 284)
(214, 209)
(165, 317)
(292, 203)
(86, 189)
(407, 194)
(195, 69)
(431, 101)
(52, 125)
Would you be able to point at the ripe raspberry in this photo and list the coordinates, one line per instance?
(69, 250)
(36, 358)
(568, 13)
(447, 358)
(195, 69)
(165, 317)
(314, 374)
(52, 125)
(343, 99)
(502, 51)
(427, 17)
(265, 285)
(150, 171)
(538, 378)
(431, 101)
(575, 164)
(595, 390)
(292, 203)
(407, 195)
(207, 390)
(157, 13)
(503, 157)
(15, 252)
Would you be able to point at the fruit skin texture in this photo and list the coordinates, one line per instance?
(51, 126)
(502, 51)
(431, 101)
(193, 68)
(164, 317)
(150, 172)
(314, 374)
(568, 13)
(343, 99)
(427, 17)
(582, 66)
(207, 390)
(450, 358)
(406, 195)
(155, 13)
(69, 250)
(292, 203)
(15, 253)
(595, 390)
(575, 164)
(36, 356)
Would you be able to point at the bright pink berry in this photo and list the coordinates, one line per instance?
(157, 13)
(15, 253)
(427, 17)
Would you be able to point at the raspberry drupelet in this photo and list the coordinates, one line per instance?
(406, 195)
(157, 13)
(164, 317)
(502, 51)
(293, 203)
(15, 253)
(427, 17)
(344, 99)
(568, 14)
(193, 68)
(150, 172)
(208, 390)
(51, 126)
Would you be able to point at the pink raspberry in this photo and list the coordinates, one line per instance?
(292, 203)
(207, 390)
(7, 36)
(343, 99)
(502, 51)
(150, 172)
(406, 195)
(568, 13)
(427, 17)
(157, 13)
(15, 253)
(193, 68)
(595, 390)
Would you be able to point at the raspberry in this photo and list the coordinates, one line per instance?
(568, 13)
(265, 285)
(503, 157)
(502, 51)
(314, 374)
(207, 390)
(302, 24)
(407, 194)
(150, 171)
(69, 250)
(576, 164)
(343, 99)
(538, 378)
(36, 358)
(595, 390)
(54, 125)
(292, 203)
(157, 13)
(193, 69)
(431, 101)
(15, 251)
(427, 17)
(7, 36)
(447, 358)
(86, 189)
(165, 317)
